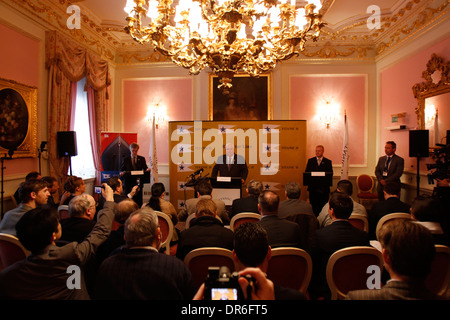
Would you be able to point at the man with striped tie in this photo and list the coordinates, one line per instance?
(389, 168)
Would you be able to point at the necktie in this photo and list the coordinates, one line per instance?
(134, 163)
(388, 161)
(319, 161)
(229, 162)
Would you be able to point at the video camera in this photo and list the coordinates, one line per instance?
(220, 284)
(442, 165)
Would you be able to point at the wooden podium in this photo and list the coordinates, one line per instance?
(226, 189)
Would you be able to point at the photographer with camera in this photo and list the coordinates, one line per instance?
(251, 255)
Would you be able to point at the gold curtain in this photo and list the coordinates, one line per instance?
(69, 62)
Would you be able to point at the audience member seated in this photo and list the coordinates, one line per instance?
(281, 232)
(33, 193)
(81, 219)
(53, 187)
(408, 252)
(204, 231)
(346, 187)
(293, 204)
(51, 272)
(250, 203)
(392, 204)
(30, 176)
(116, 184)
(251, 249)
(427, 211)
(338, 235)
(116, 239)
(74, 186)
(138, 271)
(204, 190)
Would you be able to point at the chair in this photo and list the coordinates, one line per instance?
(365, 185)
(166, 226)
(359, 221)
(347, 269)
(243, 217)
(63, 211)
(290, 268)
(439, 279)
(199, 260)
(192, 217)
(396, 215)
(11, 250)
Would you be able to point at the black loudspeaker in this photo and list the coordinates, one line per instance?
(67, 143)
(419, 143)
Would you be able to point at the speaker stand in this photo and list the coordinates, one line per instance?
(418, 176)
(70, 165)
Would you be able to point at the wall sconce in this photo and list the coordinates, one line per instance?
(430, 114)
(157, 112)
(328, 113)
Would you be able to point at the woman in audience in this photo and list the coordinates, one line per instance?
(74, 186)
(158, 203)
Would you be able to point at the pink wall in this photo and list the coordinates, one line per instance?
(138, 95)
(308, 92)
(19, 61)
(397, 96)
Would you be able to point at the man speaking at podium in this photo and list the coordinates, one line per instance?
(318, 193)
(230, 165)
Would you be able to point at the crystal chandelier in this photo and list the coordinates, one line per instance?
(228, 36)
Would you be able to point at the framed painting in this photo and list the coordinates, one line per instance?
(18, 119)
(250, 98)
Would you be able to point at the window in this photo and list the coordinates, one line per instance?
(83, 163)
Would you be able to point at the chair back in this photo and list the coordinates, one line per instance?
(439, 279)
(243, 217)
(290, 268)
(199, 260)
(63, 211)
(166, 226)
(359, 221)
(308, 224)
(386, 218)
(365, 183)
(347, 269)
(11, 250)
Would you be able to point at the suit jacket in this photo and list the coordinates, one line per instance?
(127, 164)
(249, 204)
(394, 290)
(143, 274)
(76, 229)
(340, 234)
(204, 231)
(44, 276)
(325, 166)
(221, 210)
(395, 169)
(293, 206)
(237, 169)
(281, 232)
(382, 208)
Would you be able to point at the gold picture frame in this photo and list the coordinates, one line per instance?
(252, 98)
(18, 119)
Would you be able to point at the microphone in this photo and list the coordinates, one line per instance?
(198, 171)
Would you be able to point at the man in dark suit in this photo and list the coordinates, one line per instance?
(408, 253)
(340, 234)
(204, 231)
(82, 210)
(392, 204)
(139, 271)
(389, 168)
(249, 204)
(318, 194)
(281, 232)
(230, 165)
(133, 163)
(293, 204)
